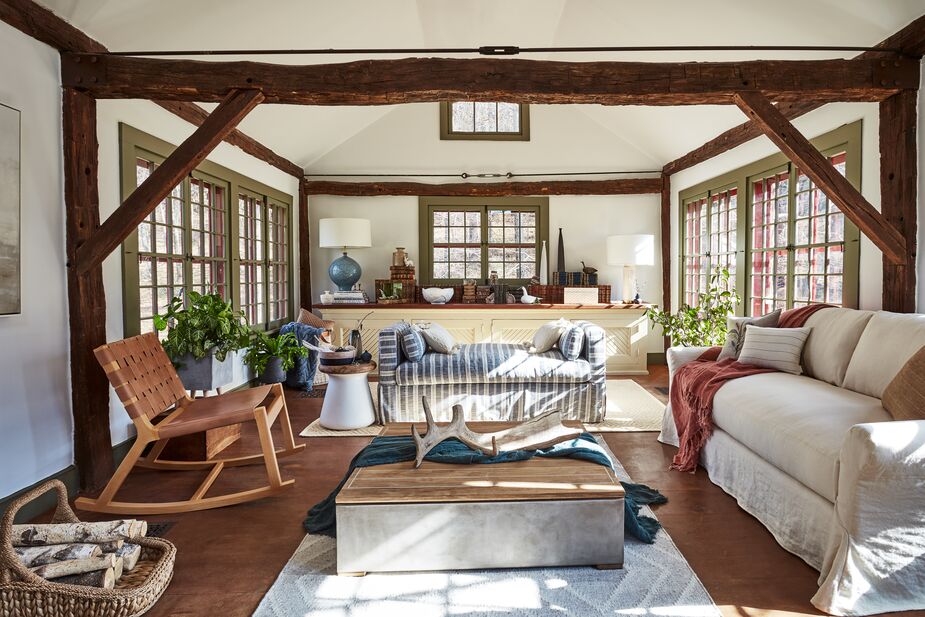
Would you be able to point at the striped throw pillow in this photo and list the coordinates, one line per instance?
(571, 342)
(413, 344)
(777, 348)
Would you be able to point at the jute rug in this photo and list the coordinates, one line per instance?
(656, 581)
(630, 408)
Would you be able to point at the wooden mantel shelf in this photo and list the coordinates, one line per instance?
(484, 307)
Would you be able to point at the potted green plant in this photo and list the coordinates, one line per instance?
(703, 325)
(202, 336)
(270, 357)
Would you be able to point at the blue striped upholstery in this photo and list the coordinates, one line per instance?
(571, 342)
(493, 381)
(413, 344)
(493, 363)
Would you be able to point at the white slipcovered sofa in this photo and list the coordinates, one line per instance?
(817, 459)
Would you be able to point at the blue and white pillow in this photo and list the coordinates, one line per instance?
(413, 344)
(571, 342)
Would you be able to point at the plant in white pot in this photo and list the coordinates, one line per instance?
(201, 339)
(270, 357)
(703, 325)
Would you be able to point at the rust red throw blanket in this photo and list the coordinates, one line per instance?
(696, 383)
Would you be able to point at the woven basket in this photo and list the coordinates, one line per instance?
(23, 594)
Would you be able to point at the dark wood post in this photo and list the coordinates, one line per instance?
(305, 244)
(86, 296)
(898, 178)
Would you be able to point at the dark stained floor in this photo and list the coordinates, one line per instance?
(228, 558)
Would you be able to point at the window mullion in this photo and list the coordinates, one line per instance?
(791, 234)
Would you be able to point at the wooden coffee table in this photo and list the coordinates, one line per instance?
(534, 513)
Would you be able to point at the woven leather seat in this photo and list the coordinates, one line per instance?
(147, 384)
(201, 414)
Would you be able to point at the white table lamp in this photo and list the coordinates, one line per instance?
(630, 251)
(344, 234)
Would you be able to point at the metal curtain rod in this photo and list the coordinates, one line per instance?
(465, 175)
(499, 50)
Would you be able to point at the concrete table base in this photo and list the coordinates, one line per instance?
(461, 536)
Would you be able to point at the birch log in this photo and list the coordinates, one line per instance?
(68, 533)
(58, 569)
(118, 567)
(130, 553)
(104, 579)
(110, 547)
(40, 555)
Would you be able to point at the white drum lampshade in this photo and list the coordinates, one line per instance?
(629, 251)
(344, 234)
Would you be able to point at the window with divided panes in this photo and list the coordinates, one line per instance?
(799, 247)
(464, 240)
(484, 120)
(194, 241)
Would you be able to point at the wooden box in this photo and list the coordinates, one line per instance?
(405, 290)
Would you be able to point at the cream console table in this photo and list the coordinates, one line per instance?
(626, 325)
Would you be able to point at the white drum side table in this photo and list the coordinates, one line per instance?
(348, 403)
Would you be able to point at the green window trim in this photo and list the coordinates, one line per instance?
(427, 205)
(845, 139)
(447, 132)
(135, 144)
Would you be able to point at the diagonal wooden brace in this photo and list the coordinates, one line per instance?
(792, 143)
(171, 172)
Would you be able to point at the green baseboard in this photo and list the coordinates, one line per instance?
(68, 476)
(657, 358)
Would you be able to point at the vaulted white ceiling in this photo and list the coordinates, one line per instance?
(405, 139)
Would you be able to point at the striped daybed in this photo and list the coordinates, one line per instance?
(492, 381)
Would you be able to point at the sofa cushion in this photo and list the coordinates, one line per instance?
(888, 341)
(794, 422)
(828, 351)
(493, 363)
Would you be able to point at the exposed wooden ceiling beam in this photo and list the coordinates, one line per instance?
(417, 80)
(910, 39)
(196, 115)
(168, 174)
(811, 162)
(621, 186)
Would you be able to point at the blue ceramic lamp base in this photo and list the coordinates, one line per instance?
(345, 272)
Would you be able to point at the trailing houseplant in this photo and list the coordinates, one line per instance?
(201, 334)
(271, 356)
(703, 325)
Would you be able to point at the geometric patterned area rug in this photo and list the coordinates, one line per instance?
(656, 581)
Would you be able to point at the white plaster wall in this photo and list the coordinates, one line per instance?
(811, 125)
(150, 118)
(586, 221)
(35, 417)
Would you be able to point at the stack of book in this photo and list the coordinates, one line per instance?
(351, 297)
(401, 273)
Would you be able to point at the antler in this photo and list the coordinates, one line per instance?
(456, 428)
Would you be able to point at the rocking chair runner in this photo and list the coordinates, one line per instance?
(145, 380)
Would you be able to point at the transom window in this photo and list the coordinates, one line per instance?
(194, 241)
(464, 239)
(484, 120)
(800, 248)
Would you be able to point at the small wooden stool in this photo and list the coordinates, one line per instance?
(348, 403)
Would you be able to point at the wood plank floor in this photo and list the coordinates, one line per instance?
(228, 558)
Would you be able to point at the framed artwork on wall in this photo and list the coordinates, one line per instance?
(10, 278)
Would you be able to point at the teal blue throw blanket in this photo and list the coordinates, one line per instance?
(384, 450)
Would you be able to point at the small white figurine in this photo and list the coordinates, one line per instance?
(527, 298)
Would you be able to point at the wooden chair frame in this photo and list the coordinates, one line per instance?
(273, 408)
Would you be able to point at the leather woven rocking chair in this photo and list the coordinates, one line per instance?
(146, 382)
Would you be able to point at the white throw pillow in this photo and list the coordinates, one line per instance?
(549, 334)
(777, 348)
(438, 338)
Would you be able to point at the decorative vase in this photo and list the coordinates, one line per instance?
(327, 297)
(274, 372)
(560, 259)
(345, 272)
(544, 266)
(399, 257)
